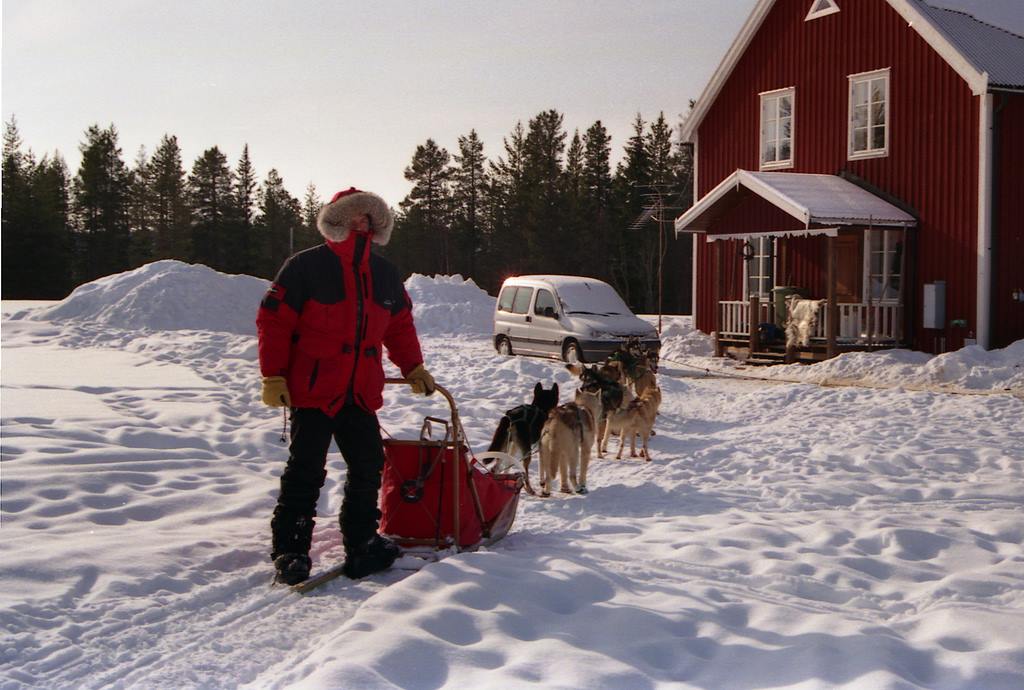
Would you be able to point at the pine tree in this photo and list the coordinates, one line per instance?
(509, 201)
(210, 195)
(34, 224)
(311, 205)
(427, 207)
(574, 206)
(100, 205)
(652, 238)
(52, 268)
(140, 211)
(468, 197)
(631, 184)
(15, 213)
(243, 242)
(245, 187)
(278, 219)
(546, 235)
(170, 210)
(597, 207)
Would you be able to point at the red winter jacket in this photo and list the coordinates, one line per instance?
(323, 321)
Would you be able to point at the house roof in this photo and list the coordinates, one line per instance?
(812, 199)
(985, 56)
(992, 49)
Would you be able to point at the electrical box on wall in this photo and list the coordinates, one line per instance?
(935, 304)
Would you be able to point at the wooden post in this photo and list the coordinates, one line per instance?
(755, 307)
(779, 271)
(897, 323)
(833, 306)
(910, 291)
(719, 277)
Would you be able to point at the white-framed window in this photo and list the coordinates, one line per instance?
(759, 265)
(869, 115)
(821, 8)
(777, 129)
(883, 265)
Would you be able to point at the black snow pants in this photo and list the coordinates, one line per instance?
(357, 434)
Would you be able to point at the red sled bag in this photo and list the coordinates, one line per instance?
(434, 493)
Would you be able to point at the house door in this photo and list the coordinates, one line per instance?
(849, 267)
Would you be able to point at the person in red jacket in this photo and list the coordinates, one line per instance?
(323, 326)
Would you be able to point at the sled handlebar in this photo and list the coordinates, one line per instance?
(443, 391)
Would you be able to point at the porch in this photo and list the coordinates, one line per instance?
(858, 327)
(845, 249)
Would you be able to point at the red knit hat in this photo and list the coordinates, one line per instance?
(349, 204)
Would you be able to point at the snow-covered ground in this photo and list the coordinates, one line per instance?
(784, 535)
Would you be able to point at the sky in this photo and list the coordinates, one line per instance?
(339, 94)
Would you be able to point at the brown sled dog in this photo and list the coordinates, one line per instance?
(565, 445)
(636, 418)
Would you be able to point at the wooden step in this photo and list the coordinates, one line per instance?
(766, 359)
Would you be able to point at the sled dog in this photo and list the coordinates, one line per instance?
(636, 418)
(639, 365)
(519, 429)
(608, 379)
(565, 446)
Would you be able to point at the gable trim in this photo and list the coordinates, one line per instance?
(812, 13)
(933, 36)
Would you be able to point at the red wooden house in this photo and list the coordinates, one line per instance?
(870, 154)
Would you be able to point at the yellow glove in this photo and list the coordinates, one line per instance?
(275, 392)
(421, 381)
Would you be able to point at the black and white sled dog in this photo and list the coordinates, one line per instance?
(519, 429)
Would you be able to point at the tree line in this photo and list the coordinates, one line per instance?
(61, 230)
(552, 204)
(548, 204)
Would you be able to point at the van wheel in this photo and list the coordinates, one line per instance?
(572, 353)
(503, 346)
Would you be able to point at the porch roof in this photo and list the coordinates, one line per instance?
(812, 199)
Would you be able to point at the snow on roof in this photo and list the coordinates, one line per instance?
(810, 198)
(1006, 14)
(992, 49)
(558, 281)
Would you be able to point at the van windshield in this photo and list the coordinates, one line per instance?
(592, 297)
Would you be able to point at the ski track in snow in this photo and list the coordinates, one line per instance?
(784, 535)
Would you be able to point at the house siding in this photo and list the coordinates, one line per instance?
(932, 161)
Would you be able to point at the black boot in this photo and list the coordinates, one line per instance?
(292, 568)
(372, 557)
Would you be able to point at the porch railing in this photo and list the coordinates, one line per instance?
(859, 323)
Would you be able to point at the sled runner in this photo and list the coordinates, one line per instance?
(437, 494)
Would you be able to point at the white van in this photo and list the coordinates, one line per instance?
(573, 318)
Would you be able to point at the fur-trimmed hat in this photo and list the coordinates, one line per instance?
(345, 206)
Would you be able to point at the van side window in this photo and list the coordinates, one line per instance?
(505, 301)
(521, 304)
(545, 301)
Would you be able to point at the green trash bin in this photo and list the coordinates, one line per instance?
(779, 295)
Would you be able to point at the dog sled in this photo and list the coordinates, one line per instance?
(437, 495)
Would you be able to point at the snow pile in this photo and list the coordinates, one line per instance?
(679, 339)
(450, 304)
(164, 296)
(172, 295)
(971, 369)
